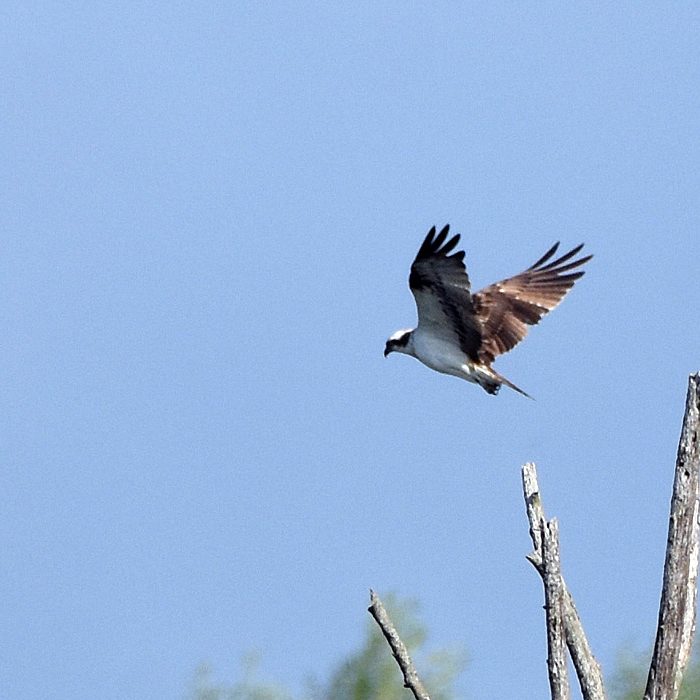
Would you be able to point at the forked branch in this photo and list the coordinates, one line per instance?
(587, 669)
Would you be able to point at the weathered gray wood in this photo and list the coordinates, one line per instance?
(588, 672)
(554, 601)
(676, 628)
(677, 614)
(587, 668)
(398, 648)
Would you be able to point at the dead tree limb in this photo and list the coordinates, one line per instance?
(676, 628)
(398, 648)
(677, 614)
(554, 607)
(587, 669)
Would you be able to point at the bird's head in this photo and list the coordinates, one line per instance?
(398, 342)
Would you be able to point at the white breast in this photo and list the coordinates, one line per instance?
(441, 355)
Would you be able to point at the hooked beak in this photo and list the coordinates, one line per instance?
(387, 351)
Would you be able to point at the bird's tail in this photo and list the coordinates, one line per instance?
(500, 379)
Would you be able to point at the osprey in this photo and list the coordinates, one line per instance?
(461, 333)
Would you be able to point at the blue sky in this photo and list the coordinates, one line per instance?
(208, 215)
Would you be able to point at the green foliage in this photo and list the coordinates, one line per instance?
(250, 687)
(630, 678)
(371, 673)
(691, 682)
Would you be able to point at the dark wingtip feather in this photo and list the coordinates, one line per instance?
(434, 244)
(427, 244)
(449, 246)
(570, 266)
(545, 257)
(571, 277)
(440, 239)
(562, 259)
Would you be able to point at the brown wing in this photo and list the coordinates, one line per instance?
(506, 309)
(440, 286)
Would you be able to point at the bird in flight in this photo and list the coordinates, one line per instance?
(461, 333)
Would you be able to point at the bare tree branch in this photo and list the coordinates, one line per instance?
(398, 648)
(676, 628)
(590, 677)
(677, 614)
(554, 599)
(587, 669)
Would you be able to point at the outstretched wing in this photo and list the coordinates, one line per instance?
(440, 286)
(506, 309)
